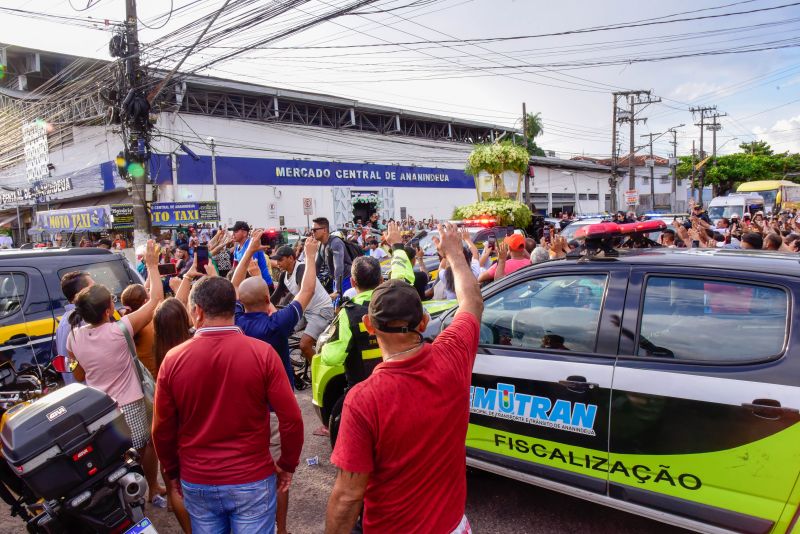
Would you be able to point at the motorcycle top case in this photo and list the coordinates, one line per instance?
(61, 440)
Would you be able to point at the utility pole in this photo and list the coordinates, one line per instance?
(715, 127)
(135, 116)
(652, 165)
(674, 166)
(614, 179)
(213, 145)
(704, 112)
(635, 99)
(525, 141)
(692, 169)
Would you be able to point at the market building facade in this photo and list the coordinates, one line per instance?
(271, 156)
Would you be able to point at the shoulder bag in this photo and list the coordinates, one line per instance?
(145, 378)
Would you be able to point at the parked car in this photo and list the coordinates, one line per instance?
(31, 302)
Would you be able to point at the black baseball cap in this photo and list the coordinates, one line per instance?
(283, 252)
(395, 301)
(240, 225)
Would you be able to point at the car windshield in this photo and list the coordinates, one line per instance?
(429, 247)
(719, 212)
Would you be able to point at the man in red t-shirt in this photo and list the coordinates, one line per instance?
(401, 445)
(211, 424)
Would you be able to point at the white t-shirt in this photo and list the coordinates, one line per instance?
(378, 253)
(319, 301)
(350, 293)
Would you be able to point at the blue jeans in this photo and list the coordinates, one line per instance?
(241, 508)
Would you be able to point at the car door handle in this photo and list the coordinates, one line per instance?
(578, 384)
(769, 409)
(19, 339)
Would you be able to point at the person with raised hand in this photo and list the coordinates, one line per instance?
(382, 450)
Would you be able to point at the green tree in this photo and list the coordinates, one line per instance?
(756, 148)
(534, 127)
(733, 169)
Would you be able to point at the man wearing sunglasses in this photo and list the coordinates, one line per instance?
(333, 261)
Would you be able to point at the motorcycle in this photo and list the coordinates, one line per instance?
(69, 466)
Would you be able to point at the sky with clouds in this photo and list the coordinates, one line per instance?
(564, 59)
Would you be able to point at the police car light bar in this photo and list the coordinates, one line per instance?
(484, 221)
(607, 230)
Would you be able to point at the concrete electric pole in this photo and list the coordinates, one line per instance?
(135, 117)
(704, 112)
(673, 164)
(613, 181)
(634, 99)
(651, 163)
(526, 175)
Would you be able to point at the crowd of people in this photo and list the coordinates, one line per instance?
(213, 332)
(216, 343)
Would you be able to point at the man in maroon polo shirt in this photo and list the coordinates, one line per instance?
(401, 448)
(211, 424)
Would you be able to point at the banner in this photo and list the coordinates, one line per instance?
(262, 171)
(36, 191)
(169, 214)
(122, 216)
(91, 219)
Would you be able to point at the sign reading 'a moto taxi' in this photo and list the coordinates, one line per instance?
(183, 213)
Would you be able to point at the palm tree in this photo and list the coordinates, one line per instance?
(534, 127)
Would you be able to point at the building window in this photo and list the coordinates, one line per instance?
(664, 179)
(646, 180)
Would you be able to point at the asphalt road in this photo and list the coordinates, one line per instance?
(494, 504)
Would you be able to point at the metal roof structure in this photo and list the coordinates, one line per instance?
(240, 100)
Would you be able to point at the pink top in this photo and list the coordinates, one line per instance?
(103, 353)
(511, 266)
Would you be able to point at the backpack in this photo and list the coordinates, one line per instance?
(352, 249)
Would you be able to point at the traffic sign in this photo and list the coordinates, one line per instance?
(632, 197)
(308, 206)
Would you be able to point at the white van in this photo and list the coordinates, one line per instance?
(726, 207)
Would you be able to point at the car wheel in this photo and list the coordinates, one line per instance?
(335, 419)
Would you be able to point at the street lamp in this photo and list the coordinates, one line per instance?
(212, 144)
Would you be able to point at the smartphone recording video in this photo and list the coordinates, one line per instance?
(201, 258)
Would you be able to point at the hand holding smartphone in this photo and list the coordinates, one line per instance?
(201, 258)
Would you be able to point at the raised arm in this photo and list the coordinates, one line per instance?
(241, 269)
(502, 253)
(401, 265)
(182, 294)
(141, 317)
(468, 291)
(308, 284)
(468, 241)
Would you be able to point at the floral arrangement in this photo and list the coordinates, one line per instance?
(505, 211)
(497, 158)
(367, 199)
